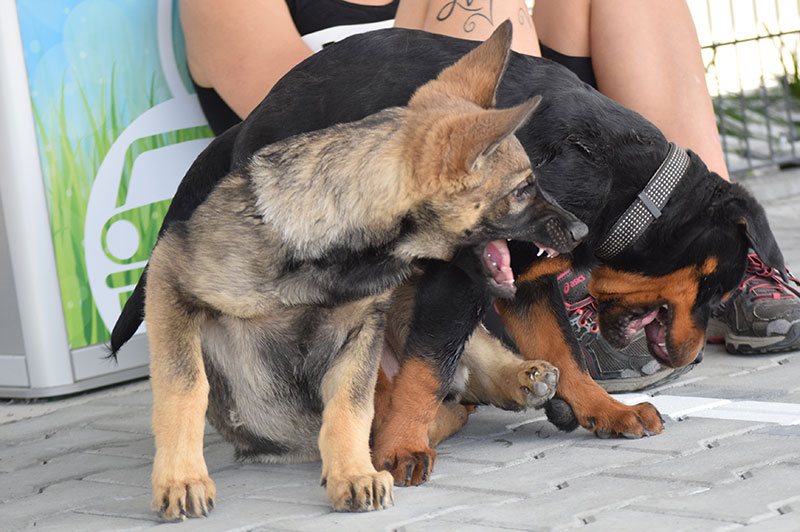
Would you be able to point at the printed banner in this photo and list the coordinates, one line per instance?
(117, 125)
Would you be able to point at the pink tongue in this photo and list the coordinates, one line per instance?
(635, 325)
(501, 257)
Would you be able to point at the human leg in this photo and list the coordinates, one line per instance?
(641, 61)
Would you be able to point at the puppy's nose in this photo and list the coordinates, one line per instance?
(578, 230)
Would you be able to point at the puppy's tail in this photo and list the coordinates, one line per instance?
(130, 318)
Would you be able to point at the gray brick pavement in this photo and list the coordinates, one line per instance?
(83, 463)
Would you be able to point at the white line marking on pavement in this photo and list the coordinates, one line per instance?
(677, 407)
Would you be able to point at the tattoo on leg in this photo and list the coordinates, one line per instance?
(469, 24)
(524, 17)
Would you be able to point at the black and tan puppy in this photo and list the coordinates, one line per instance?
(265, 309)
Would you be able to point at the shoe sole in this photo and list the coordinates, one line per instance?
(645, 382)
(743, 345)
(754, 345)
(716, 331)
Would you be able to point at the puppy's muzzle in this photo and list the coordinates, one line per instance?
(564, 230)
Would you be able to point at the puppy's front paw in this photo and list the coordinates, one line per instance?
(408, 466)
(606, 417)
(536, 382)
(634, 421)
(176, 499)
(360, 492)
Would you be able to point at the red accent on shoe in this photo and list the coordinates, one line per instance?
(765, 279)
(587, 312)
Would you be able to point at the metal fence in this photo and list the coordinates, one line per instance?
(751, 51)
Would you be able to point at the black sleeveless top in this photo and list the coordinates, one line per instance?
(308, 16)
(314, 15)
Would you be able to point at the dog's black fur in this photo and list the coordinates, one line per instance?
(592, 155)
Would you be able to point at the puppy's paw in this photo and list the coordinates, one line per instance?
(408, 466)
(187, 497)
(536, 382)
(359, 492)
(630, 422)
(608, 419)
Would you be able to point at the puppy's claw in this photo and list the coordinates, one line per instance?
(409, 473)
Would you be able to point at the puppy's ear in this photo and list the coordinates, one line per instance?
(474, 137)
(491, 128)
(751, 218)
(475, 76)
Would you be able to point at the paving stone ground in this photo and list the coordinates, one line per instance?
(729, 458)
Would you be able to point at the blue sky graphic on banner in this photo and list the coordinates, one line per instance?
(76, 45)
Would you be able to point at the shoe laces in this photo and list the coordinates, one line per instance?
(764, 282)
(584, 312)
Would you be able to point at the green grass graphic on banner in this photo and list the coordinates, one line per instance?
(93, 68)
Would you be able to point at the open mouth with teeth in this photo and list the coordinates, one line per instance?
(655, 324)
(496, 261)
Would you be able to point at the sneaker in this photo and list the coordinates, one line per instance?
(761, 316)
(629, 369)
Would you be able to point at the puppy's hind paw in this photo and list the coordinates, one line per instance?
(537, 382)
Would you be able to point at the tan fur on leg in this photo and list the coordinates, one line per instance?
(351, 482)
(181, 485)
(450, 417)
(400, 445)
(498, 377)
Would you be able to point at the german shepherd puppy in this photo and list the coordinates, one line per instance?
(265, 309)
